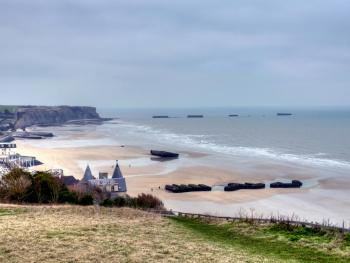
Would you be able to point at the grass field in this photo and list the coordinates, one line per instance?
(96, 234)
(278, 242)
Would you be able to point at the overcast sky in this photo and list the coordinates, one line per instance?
(176, 53)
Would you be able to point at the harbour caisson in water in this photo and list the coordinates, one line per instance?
(160, 117)
(195, 116)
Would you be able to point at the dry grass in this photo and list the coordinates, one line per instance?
(92, 234)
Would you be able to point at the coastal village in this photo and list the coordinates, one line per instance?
(9, 159)
(13, 123)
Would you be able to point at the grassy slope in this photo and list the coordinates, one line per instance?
(88, 234)
(277, 243)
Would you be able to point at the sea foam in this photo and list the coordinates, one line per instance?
(203, 143)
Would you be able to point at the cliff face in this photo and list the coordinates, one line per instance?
(42, 115)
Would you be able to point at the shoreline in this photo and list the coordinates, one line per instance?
(68, 152)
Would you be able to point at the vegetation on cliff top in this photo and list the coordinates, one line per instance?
(107, 232)
(100, 234)
(19, 186)
(281, 242)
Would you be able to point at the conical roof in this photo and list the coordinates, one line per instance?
(117, 173)
(88, 174)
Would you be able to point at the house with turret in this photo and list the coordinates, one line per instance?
(113, 185)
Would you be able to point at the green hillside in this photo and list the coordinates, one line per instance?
(97, 234)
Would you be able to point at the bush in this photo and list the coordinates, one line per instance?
(107, 202)
(119, 201)
(67, 196)
(16, 185)
(130, 201)
(42, 187)
(347, 238)
(145, 201)
(86, 199)
(47, 187)
(149, 201)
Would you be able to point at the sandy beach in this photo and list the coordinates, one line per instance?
(144, 175)
(320, 199)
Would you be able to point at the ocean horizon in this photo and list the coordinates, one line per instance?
(317, 137)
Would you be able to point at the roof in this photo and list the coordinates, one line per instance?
(87, 175)
(69, 180)
(117, 173)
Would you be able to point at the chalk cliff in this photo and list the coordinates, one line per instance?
(26, 116)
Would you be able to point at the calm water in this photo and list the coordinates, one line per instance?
(317, 138)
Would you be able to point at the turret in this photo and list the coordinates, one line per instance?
(117, 173)
(87, 175)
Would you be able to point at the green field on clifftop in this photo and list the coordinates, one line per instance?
(97, 234)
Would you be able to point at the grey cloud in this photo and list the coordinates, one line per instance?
(175, 53)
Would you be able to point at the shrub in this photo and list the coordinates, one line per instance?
(146, 201)
(107, 202)
(16, 185)
(86, 199)
(47, 187)
(149, 201)
(119, 201)
(347, 238)
(294, 238)
(297, 232)
(67, 196)
(130, 202)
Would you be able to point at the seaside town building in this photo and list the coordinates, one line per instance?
(10, 159)
(115, 184)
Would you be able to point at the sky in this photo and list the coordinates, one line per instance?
(183, 53)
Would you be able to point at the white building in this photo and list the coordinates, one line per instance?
(111, 185)
(10, 159)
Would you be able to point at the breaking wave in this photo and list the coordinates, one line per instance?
(204, 143)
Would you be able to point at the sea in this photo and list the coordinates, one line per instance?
(314, 138)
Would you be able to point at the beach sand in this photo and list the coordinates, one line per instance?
(146, 176)
(317, 201)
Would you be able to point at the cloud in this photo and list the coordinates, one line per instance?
(174, 53)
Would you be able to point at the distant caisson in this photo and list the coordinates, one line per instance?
(174, 188)
(235, 186)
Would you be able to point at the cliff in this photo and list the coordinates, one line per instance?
(26, 116)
